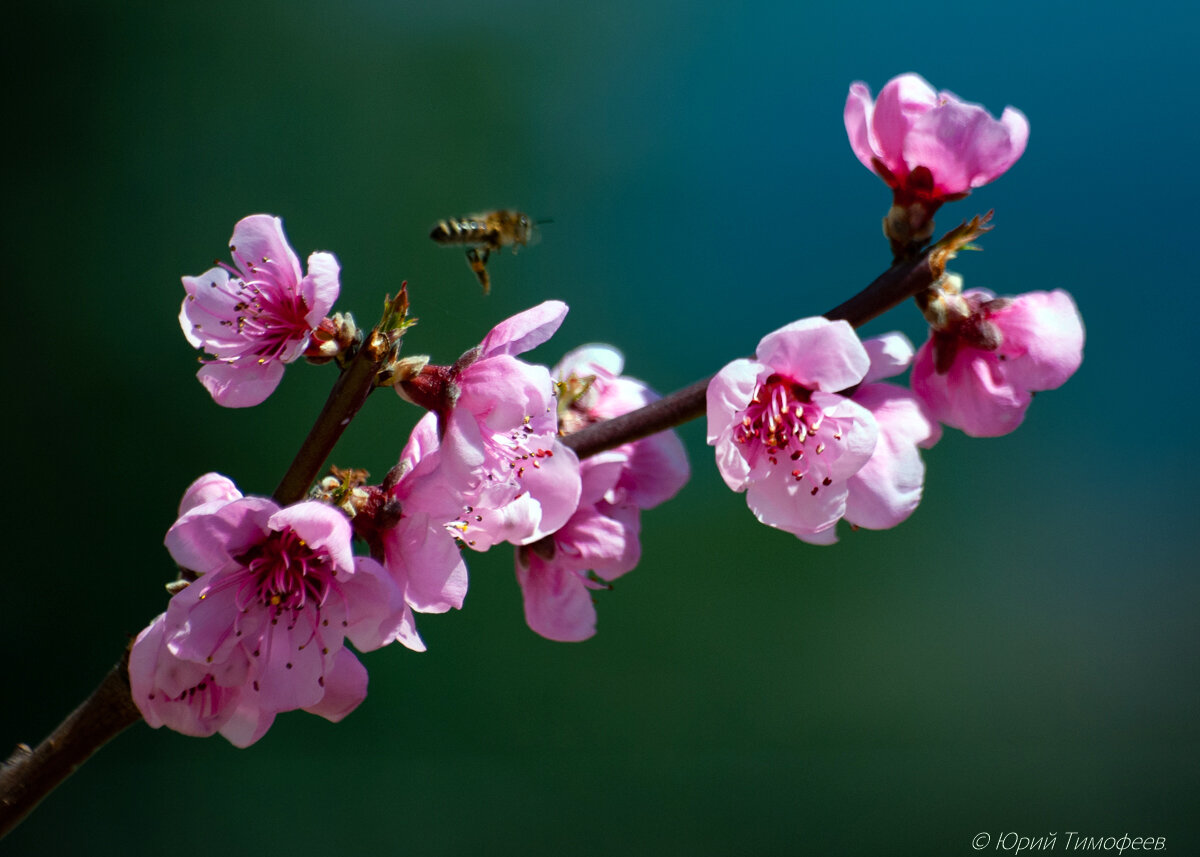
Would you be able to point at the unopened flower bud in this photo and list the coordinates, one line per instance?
(335, 337)
(432, 388)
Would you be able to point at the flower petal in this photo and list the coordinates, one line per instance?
(345, 688)
(320, 288)
(818, 353)
(558, 605)
(241, 385)
(258, 240)
(860, 108)
(524, 331)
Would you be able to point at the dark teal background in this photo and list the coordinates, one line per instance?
(1020, 656)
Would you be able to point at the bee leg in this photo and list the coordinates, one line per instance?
(477, 258)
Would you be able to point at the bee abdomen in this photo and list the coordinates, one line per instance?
(464, 230)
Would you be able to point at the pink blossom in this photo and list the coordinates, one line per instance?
(986, 356)
(420, 550)
(593, 389)
(597, 544)
(888, 487)
(930, 145)
(262, 628)
(257, 315)
(782, 432)
(500, 454)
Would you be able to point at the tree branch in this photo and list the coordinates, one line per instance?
(30, 775)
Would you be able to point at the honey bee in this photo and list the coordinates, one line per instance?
(483, 233)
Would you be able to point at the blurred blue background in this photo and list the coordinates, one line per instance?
(1020, 656)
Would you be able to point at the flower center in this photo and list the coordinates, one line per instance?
(284, 573)
(268, 311)
(782, 422)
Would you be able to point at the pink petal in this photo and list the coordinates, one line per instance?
(599, 475)
(322, 526)
(259, 241)
(901, 101)
(292, 664)
(425, 561)
(791, 506)
(157, 681)
(556, 485)
(963, 146)
(1043, 339)
(827, 536)
(729, 392)
(320, 288)
(973, 396)
(847, 456)
(658, 469)
(241, 385)
(557, 603)
(345, 688)
(248, 723)
(818, 353)
(524, 331)
(375, 608)
(888, 487)
(551, 495)
(890, 355)
(857, 115)
(500, 391)
(611, 547)
(209, 488)
(588, 359)
(207, 302)
(462, 450)
(199, 622)
(206, 537)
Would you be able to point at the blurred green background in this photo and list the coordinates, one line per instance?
(1021, 656)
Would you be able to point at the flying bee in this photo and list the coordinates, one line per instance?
(483, 233)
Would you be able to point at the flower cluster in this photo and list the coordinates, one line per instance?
(813, 428)
(276, 591)
(805, 429)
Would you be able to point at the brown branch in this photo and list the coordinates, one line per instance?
(30, 775)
